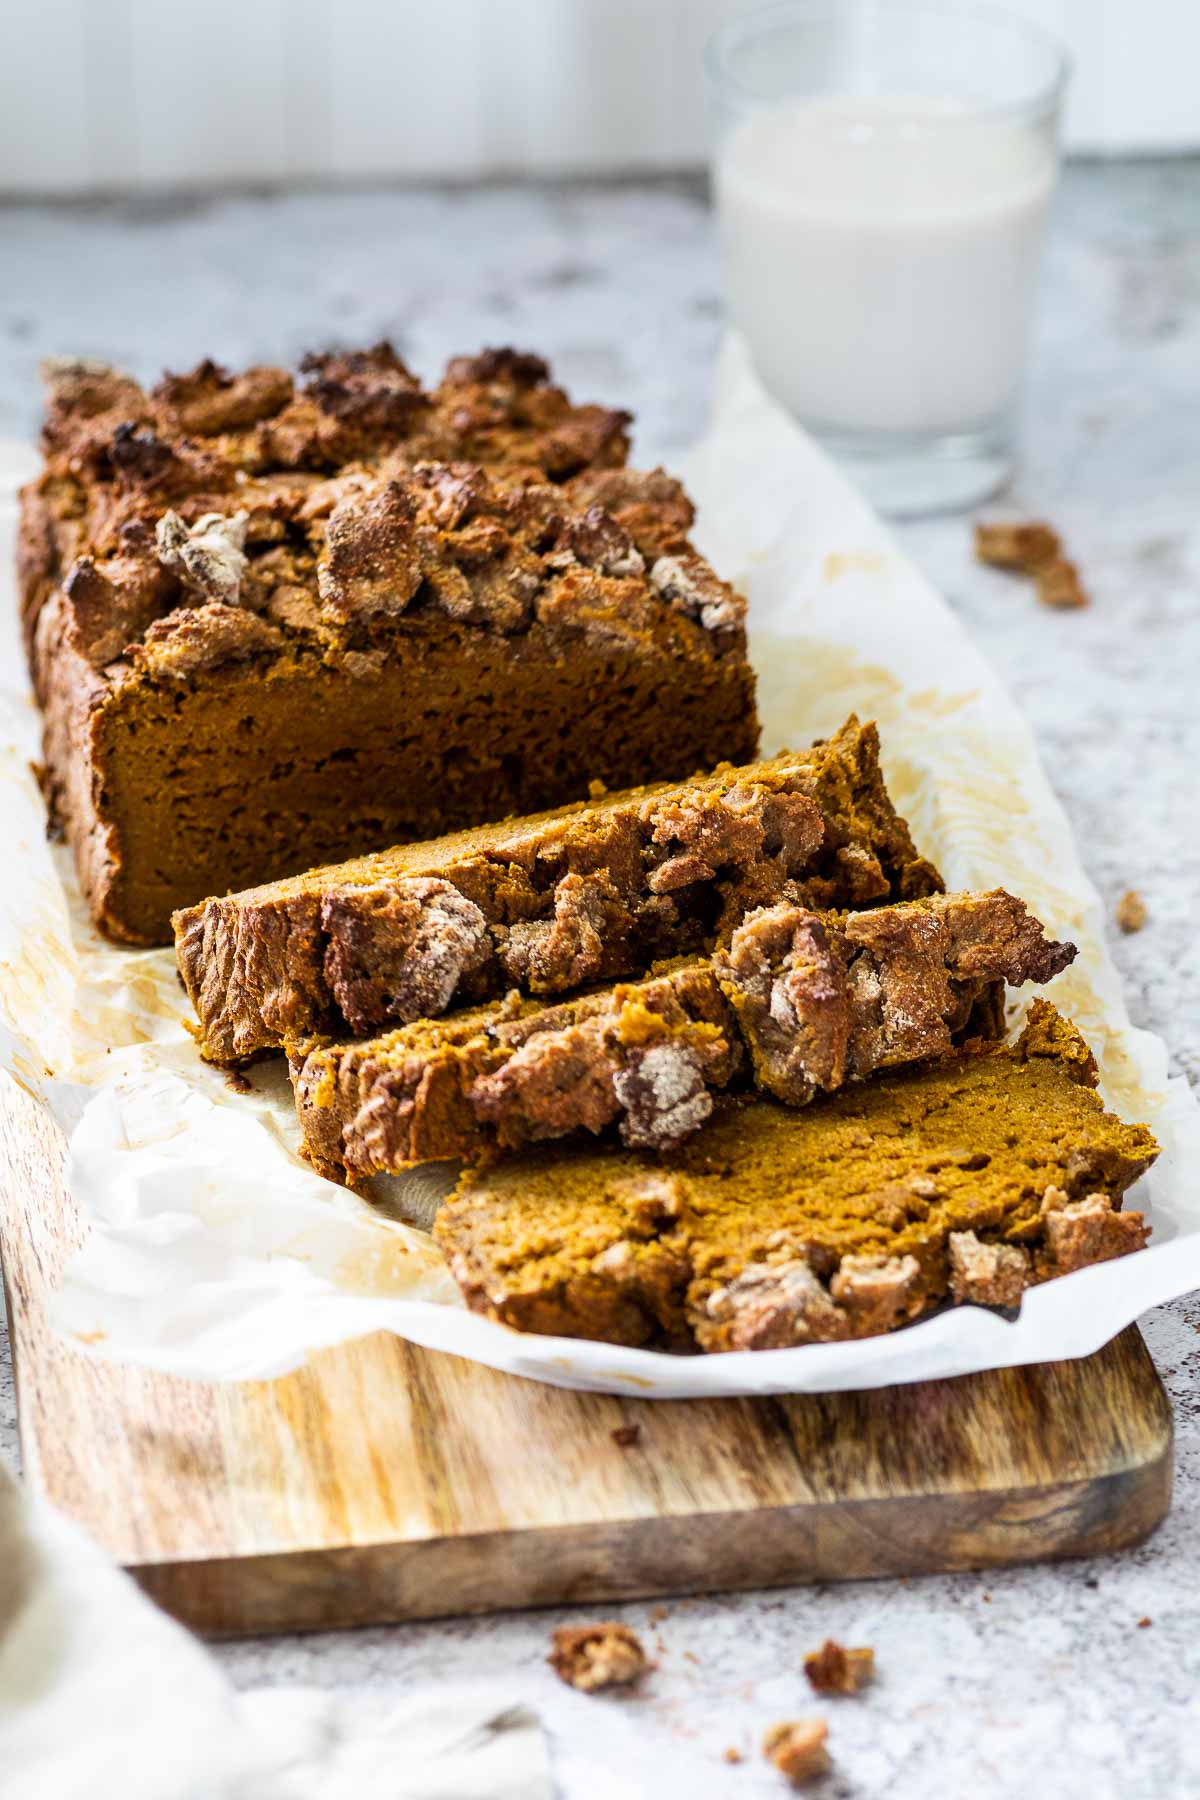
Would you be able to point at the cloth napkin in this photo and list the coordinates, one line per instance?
(102, 1697)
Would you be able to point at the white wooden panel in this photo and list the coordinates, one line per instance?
(44, 143)
(208, 86)
(112, 100)
(155, 93)
(407, 91)
(309, 27)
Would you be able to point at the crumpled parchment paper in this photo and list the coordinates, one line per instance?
(215, 1252)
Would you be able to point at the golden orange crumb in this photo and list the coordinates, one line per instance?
(591, 1657)
(797, 1748)
(1131, 911)
(1058, 584)
(1024, 547)
(733, 1755)
(1144, 1622)
(626, 1436)
(835, 1670)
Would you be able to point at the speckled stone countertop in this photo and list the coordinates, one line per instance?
(1043, 1682)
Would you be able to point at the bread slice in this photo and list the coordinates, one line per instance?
(592, 892)
(800, 1002)
(967, 1179)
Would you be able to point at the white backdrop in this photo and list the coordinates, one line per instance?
(102, 94)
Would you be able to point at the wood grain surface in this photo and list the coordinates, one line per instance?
(383, 1481)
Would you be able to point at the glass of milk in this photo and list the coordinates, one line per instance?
(883, 170)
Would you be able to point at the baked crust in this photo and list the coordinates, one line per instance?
(776, 1227)
(594, 892)
(648, 1056)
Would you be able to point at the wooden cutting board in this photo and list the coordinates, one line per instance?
(387, 1482)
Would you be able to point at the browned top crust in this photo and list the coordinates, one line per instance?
(357, 495)
(826, 1000)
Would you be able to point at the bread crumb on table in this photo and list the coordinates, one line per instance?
(591, 1657)
(626, 1436)
(1032, 548)
(1144, 1622)
(1131, 912)
(733, 1755)
(797, 1748)
(1024, 547)
(1058, 585)
(835, 1670)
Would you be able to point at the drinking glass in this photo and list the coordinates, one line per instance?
(883, 171)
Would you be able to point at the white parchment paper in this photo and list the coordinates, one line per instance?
(215, 1252)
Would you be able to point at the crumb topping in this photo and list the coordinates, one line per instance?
(210, 556)
(833, 1669)
(664, 1093)
(780, 1302)
(823, 1000)
(1058, 585)
(987, 1274)
(797, 1748)
(340, 502)
(1024, 547)
(401, 951)
(1132, 912)
(693, 589)
(593, 1657)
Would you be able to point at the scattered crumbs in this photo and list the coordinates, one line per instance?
(1131, 911)
(835, 1670)
(1058, 584)
(987, 1599)
(733, 1755)
(658, 1614)
(239, 1083)
(1023, 547)
(690, 1656)
(1144, 1622)
(625, 1436)
(591, 1657)
(1032, 548)
(1091, 1581)
(797, 1748)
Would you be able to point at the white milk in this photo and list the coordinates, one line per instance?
(880, 256)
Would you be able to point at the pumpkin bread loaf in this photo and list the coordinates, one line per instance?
(800, 1002)
(275, 623)
(593, 892)
(967, 1179)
